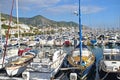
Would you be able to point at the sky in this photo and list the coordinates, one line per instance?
(94, 13)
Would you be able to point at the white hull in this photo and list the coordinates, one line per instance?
(15, 71)
(1, 67)
(110, 63)
(46, 75)
(42, 42)
(31, 43)
(16, 67)
(58, 43)
(107, 72)
(59, 63)
(11, 55)
(49, 43)
(113, 68)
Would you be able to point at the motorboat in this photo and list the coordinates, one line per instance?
(110, 63)
(46, 66)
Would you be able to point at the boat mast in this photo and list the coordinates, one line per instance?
(80, 34)
(0, 30)
(17, 24)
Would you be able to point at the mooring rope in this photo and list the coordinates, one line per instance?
(105, 76)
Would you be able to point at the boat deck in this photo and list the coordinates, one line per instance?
(73, 60)
(40, 75)
(22, 59)
(10, 78)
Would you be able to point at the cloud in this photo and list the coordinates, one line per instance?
(5, 5)
(91, 9)
(71, 8)
(63, 9)
(38, 3)
(48, 6)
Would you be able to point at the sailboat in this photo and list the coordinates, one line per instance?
(16, 67)
(82, 59)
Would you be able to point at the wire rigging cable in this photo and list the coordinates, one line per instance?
(7, 34)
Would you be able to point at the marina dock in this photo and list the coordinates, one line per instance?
(51, 41)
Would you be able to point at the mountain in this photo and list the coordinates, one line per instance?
(40, 21)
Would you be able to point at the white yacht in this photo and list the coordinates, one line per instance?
(110, 63)
(46, 66)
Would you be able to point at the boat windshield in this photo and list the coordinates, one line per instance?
(112, 46)
(112, 57)
(45, 66)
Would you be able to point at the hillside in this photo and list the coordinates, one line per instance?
(40, 21)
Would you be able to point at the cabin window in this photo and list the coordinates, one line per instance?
(117, 57)
(107, 57)
(45, 66)
(113, 57)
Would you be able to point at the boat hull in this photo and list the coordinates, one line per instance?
(86, 73)
(88, 61)
(15, 68)
(59, 64)
(45, 75)
(16, 71)
(108, 75)
(1, 66)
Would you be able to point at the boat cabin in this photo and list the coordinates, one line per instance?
(111, 54)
